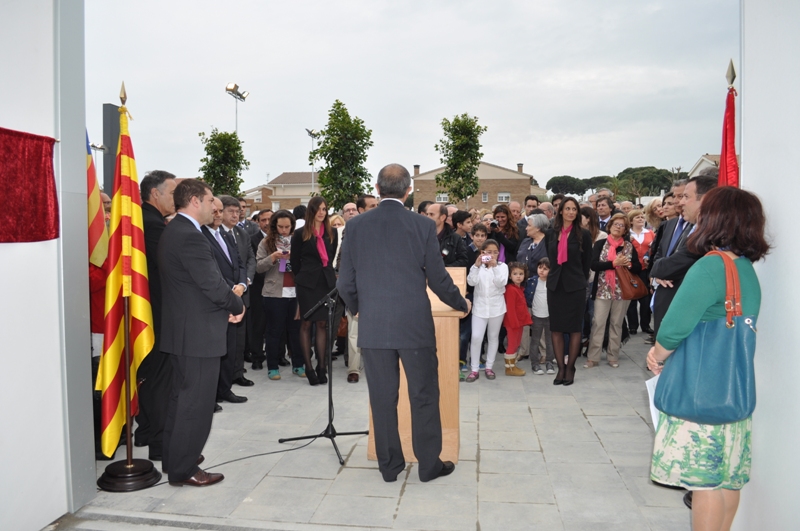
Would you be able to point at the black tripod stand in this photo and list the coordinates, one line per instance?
(329, 432)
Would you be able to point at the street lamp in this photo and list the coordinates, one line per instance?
(95, 149)
(313, 134)
(233, 90)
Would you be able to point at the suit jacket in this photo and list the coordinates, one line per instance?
(388, 255)
(306, 263)
(154, 225)
(574, 273)
(673, 267)
(232, 270)
(196, 298)
(246, 253)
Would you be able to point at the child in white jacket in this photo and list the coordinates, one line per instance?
(489, 277)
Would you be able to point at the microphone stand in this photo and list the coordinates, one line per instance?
(329, 432)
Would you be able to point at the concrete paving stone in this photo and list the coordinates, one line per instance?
(605, 408)
(358, 458)
(661, 519)
(543, 417)
(363, 482)
(203, 501)
(628, 426)
(583, 476)
(468, 451)
(269, 432)
(649, 494)
(468, 414)
(515, 488)
(502, 395)
(505, 409)
(496, 516)
(512, 462)
(296, 507)
(273, 487)
(356, 510)
(550, 402)
(503, 423)
(574, 452)
(573, 431)
(120, 500)
(431, 506)
(465, 473)
(307, 463)
(508, 440)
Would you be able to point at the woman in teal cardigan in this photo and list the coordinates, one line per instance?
(712, 461)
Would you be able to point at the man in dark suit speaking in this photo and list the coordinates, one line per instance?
(388, 255)
(197, 304)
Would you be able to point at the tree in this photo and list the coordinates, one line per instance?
(343, 146)
(593, 183)
(645, 180)
(565, 184)
(460, 151)
(409, 201)
(224, 162)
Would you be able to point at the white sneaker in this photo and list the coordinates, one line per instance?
(538, 370)
(550, 369)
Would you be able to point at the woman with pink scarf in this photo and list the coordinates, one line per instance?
(313, 248)
(569, 248)
(609, 254)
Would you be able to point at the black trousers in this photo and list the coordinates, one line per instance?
(227, 363)
(279, 314)
(189, 414)
(256, 326)
(155, 377)
(241, 341)
(642, 314)
(383, 379)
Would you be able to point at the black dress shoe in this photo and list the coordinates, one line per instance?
(447, 469)
(258, 365)
(136, 443)
(244, 382)
(311, 376)
(322, 375)
(558, 381)
(282, 362)
(687, 500)
(633, 331)
(217, 408)
(248, 357)
(234, 399)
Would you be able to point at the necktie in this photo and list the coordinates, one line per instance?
(221, 243)
(603, 225)
(676, 235)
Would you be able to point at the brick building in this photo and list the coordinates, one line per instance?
(497, 185)
(291, 188)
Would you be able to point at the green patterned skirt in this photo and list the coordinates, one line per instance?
(701, 456)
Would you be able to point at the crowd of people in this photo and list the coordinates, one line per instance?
(544, 279)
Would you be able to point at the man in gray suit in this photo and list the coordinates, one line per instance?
(386, 289)
(197, 305)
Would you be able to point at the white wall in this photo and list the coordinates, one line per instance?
(770, 139)
(37, 389)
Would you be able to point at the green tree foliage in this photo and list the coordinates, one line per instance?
(645, 180)
(565, 184)
(593, 183)
(409, 201)
(343, 146)
(460, 151)
(224, 162)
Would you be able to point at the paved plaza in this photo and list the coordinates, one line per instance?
(533, 456)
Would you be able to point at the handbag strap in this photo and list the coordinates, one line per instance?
(733, 304)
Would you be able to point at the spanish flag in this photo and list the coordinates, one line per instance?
(127, 278)
(98, 237)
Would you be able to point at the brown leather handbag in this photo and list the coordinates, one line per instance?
(631, 285)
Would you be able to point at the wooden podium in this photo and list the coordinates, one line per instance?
(445, 319)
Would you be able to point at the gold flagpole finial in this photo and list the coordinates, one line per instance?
(123, 96)
(731, 74)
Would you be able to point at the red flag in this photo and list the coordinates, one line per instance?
(728, 163)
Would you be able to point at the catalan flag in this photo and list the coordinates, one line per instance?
(127, 278)
(98, 237)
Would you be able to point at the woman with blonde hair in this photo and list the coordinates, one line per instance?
(653, 214)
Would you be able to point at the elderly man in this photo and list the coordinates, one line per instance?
(197, 306)
(349, 211)
(451, 209)
(548, 209)
(451, 245)
(626, 207)
(396, 321)
(155, 373)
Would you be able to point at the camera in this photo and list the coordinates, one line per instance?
(486, 258)
(494, 224)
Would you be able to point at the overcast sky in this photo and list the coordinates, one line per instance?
(567, 87)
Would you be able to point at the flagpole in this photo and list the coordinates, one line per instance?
(131, 474)
(127, 347)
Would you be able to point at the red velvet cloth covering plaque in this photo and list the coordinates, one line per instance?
(27, 187)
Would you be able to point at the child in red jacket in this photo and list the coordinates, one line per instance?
(517, 315)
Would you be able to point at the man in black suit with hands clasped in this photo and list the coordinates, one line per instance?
(197, 305)
(388, 290)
